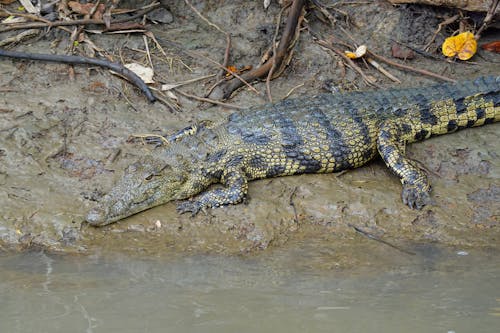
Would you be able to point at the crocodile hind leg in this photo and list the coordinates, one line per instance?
(235, 188)
(391, 146)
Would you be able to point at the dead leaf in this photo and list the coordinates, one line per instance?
(463, 45)
(360, 51)
(145, 73)
(402, 52)
(492, 47)
(85, 9)
(6, 2)
(29, 7)
(14, 19)
(234, 69)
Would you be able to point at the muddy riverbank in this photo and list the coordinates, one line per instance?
(63, 142)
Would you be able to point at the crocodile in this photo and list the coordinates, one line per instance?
(319, 134)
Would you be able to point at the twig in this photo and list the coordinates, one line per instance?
(168, 86)
(30, 25)
(440, 26)
(227, 54)
(273, 59)
(417, 50)
(203, 17)
(19, 37)
(146, 45)
(287, 37)
(201, 56)
(208, 100)
(351, 63)
(487, 20)
(408, 68)
(292, 90)
(382, 69)
(78, 60)
(228, 38)
(375, 238)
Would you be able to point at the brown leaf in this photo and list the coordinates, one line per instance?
(402, 52)
(492, 47)
(85, 9)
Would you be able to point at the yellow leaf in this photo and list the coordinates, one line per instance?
(360, 51)
(463, 45)
(350, 55)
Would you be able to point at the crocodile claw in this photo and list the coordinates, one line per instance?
(189, 206)
(414, 197)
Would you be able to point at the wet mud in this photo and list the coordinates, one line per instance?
(63, 142)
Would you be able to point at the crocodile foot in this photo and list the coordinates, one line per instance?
(415, 197)
(192, 206)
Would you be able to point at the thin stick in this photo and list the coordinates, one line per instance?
(440, 26)
(412, 69)
(348, 61)
(367, 234)
(382, 69)
(227, 54)
(228, 38)
(168, 86)
(292, 90)
(288, 35)
(208, 100)
(487, 20)
(204, 18)
(199, 55)
(147, 51)
(16, 26)
(273, 59)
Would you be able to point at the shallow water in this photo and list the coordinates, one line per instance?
(436, 290)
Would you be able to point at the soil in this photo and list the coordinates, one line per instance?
(63, 141)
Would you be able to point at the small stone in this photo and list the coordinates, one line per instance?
(161, 15)
(462, 253)
(136, 228)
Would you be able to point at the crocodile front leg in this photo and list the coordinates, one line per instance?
(235, 188)
(391, 146)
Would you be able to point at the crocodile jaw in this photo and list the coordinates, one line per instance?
(109, 210)
(147, 183)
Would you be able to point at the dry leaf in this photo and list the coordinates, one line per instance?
(402, 52)
(6, 2)
(360, 51)
(85, 9)
(29, 7)
(492, 47)
(463, 45)
(145, 73)
(14, 19)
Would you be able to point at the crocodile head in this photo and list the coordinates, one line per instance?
(146, 183)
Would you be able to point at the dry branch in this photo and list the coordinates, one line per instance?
(228, 87)
(78, 60)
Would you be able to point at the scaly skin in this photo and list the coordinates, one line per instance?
(326, 133)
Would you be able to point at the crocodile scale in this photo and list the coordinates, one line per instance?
(320, 134)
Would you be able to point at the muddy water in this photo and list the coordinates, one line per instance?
(435, 290)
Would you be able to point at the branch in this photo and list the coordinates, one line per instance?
(78, 60)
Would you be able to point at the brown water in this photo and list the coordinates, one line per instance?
(436, 290)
